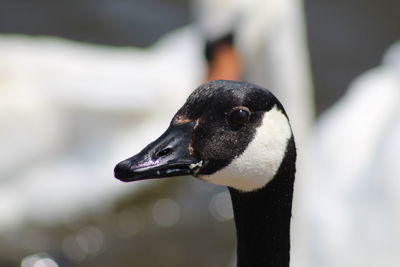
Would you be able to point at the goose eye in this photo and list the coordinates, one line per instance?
(238, 117)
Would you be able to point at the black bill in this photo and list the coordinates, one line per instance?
(167, 156)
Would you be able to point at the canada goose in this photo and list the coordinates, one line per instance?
(235, 134)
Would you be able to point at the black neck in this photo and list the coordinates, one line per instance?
(263, 217)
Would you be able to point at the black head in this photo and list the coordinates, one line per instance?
(225, 128)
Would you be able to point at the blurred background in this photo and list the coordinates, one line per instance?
(86, 84)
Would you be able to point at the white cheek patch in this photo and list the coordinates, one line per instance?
(258, 164)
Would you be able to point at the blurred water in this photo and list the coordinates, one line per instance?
(113, 22)
(347, 38)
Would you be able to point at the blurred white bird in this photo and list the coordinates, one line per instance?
(69, 110)
(352, 193)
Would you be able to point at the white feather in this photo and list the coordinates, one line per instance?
(260, 161)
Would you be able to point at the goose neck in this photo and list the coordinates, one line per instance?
(262, 219)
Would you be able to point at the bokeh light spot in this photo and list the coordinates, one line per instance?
(221, 206)
(38, 260)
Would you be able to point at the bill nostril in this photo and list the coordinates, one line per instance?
(164, 152)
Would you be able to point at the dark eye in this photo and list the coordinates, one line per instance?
(238, 117)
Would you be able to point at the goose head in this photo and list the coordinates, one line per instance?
(227, 133)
